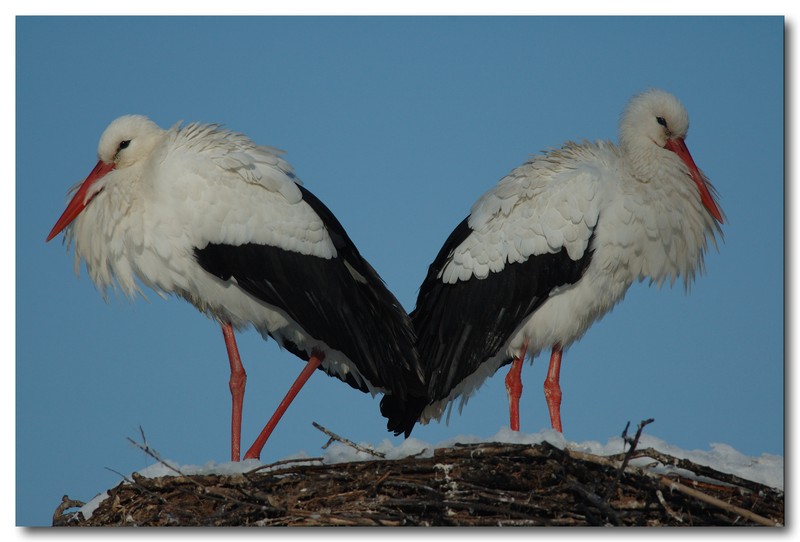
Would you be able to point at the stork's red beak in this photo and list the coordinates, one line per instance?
(78, 202)
(678, 146)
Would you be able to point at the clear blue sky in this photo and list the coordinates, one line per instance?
(398, 125)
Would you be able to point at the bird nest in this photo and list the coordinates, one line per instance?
(478, 484)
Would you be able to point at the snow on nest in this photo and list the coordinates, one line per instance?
(765, 469)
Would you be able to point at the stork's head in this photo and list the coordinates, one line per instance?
(655, 123)
(654, 116)
(126, 142)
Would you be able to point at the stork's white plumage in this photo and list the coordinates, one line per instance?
(206, 214)
(555, 245)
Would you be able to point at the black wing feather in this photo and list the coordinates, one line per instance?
(356, 316)
(460, 326)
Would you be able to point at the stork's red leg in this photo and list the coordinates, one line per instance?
(552, 390)
(255, 450)
(514, 387)
(236, 384)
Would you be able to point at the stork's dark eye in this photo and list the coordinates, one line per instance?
(661, 121)
(124, 144)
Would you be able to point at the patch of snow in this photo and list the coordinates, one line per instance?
(89, 508)
(765, 469)
(160, 469)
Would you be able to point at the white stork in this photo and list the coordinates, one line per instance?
(555, 245)
(207, 215)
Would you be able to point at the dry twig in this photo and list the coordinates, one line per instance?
(699, 495)
(61, 517)
(333, 436)
(632, 442)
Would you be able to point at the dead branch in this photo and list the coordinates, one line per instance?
(675, 485)
(143, 446)
(667, 507)
(672, 484)
(633, 443)
(283, 462)
(61, 517)
(333, 436)
(699, 470)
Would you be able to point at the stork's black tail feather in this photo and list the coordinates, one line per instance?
(402, 414)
